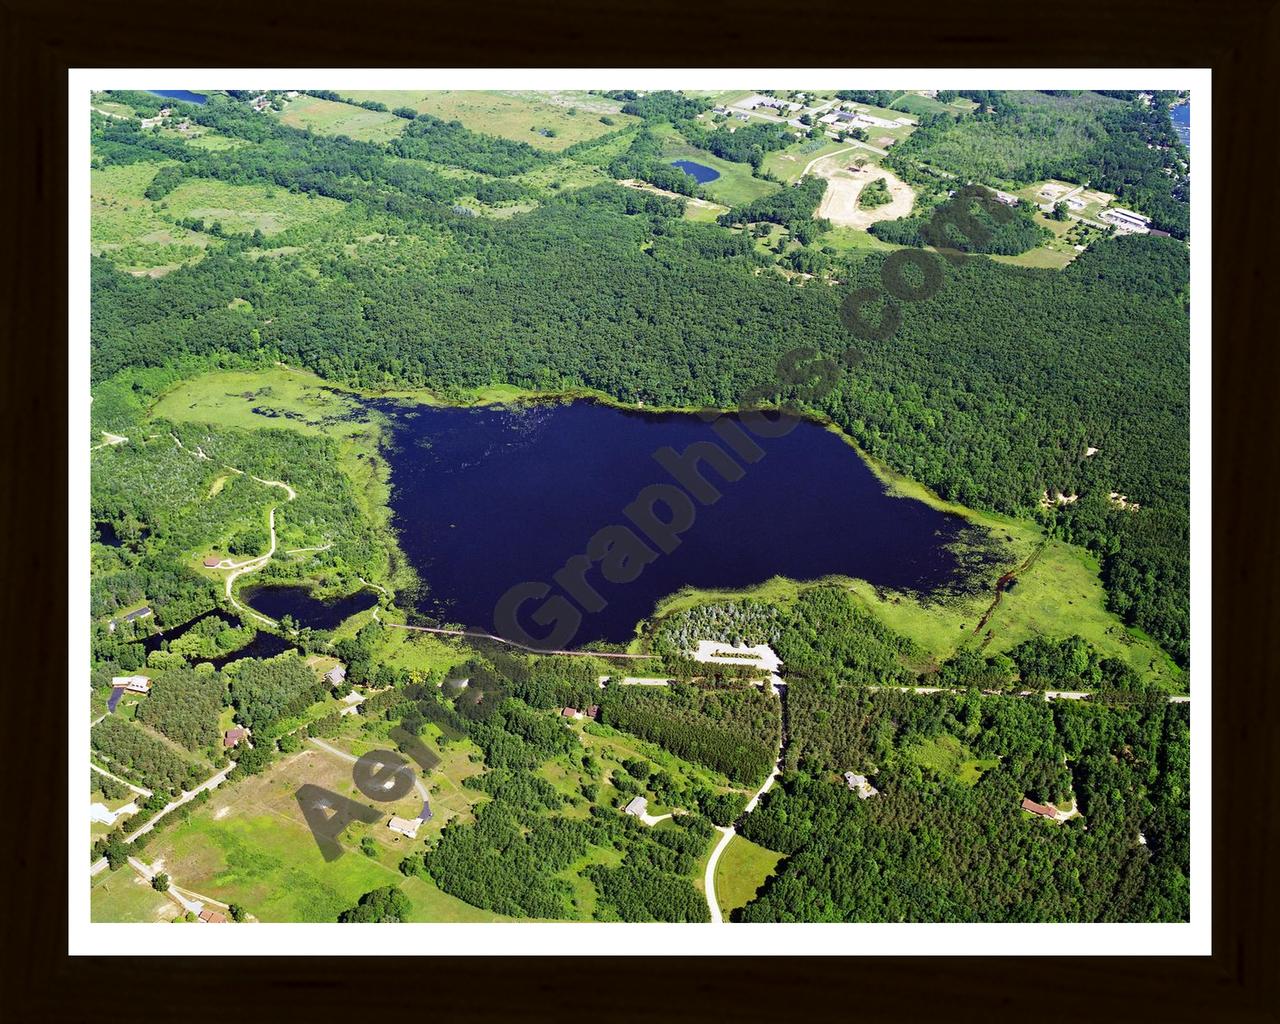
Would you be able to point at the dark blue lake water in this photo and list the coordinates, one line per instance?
(179, 94)
(275, 601)
(1181, 116)
(488, 498)
(701, 172)
(263, 645)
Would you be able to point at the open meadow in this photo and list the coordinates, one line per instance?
(328, 117)
(552, 121)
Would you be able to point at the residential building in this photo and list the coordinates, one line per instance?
(1044, 810)
(404, 826)
(212, 917)
(336, 676)
(638, 807)
(860, 785)
(233, 736)
(134, 684)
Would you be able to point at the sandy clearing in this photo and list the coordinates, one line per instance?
(840, 204)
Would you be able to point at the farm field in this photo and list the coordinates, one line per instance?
(329, 117)
(742, 869)
(519, 116)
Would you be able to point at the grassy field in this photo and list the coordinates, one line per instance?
(130, 228)
(735, 186)
(742, 869)
(121, 897)
(947, 757)
(244, 208)
(251, 845)
(141, 235)
(523, 116)
(788, 164)
(327, 117)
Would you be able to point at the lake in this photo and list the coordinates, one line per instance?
(275, 601)
(700, 172)
(487, 498)
(1181, 116)
(179, 94)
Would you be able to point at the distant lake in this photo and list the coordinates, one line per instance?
(1181, 116)
(700, 172)
(179, 94)
(487, 498)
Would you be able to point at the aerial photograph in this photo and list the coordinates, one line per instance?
(637, 505)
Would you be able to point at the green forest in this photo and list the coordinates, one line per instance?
(464, 264)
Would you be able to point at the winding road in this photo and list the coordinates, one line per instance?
(727, 833)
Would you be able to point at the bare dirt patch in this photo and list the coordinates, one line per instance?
(840, 204)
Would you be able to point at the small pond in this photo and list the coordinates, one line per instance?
(276, 601)
(699, 172)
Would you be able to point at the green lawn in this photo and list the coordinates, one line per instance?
(742, 869)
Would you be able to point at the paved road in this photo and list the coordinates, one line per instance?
(501, 640)
(213, 782)
(140, 790)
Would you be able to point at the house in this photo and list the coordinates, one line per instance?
(638, 807)
(860, 785)
(141, 613)
(593, 712)
(134, 684)
(101, 814)
(260, 103)
(1007, 198)
(404, 826)
(336, 676)
(233, 736)
(1044, 810)
(212, 917)
(212, 561)
(570, 712)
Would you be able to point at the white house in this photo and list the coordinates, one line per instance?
(134, 684)
(404, 826)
